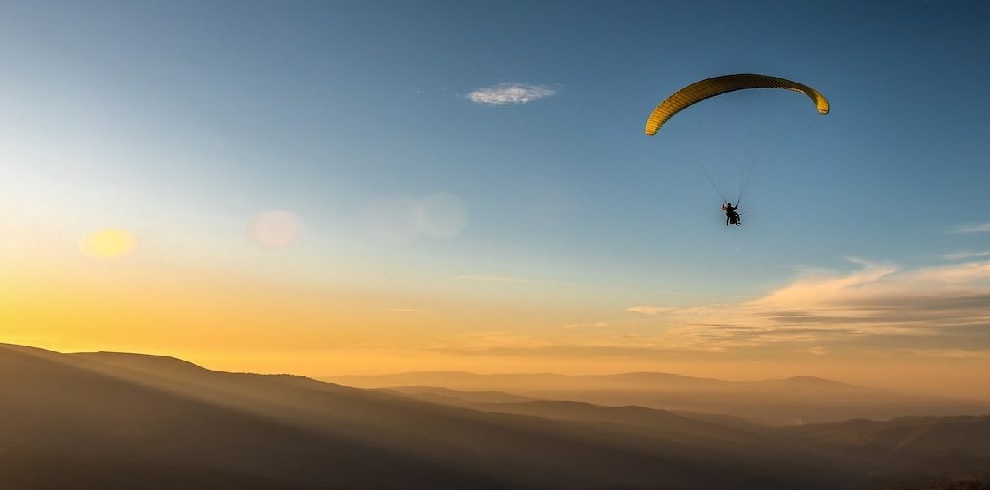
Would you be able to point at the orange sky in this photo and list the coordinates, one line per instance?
(229, 321)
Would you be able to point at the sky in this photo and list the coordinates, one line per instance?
(349, 187)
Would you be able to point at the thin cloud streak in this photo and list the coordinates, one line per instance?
(648, 310)
(510, 94)
(966, 255)
(586, 325)
(970, 228)
(503, 279)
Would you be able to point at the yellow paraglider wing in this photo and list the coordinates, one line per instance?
(710, 87)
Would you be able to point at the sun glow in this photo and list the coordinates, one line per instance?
(108, 243)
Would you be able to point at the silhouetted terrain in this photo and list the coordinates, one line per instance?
(796, 400)
(109, 420)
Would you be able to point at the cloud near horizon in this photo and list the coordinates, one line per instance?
(510, 93)
(937, 310)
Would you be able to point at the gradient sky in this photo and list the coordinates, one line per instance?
(370, 187)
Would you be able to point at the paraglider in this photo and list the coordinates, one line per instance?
(731, 214)
(712, 87)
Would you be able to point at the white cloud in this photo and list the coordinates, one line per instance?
(510, 93)
(818, 286)
(971, 228)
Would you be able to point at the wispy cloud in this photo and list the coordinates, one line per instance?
(510, 93)
(648, 310)
(586, 325)
(970, 228)
(877, 306)
(966, 255)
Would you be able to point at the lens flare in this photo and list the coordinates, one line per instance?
(438, 216)
(275, 229)
(441, 216)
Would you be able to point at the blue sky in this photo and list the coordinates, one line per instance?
(180, 120)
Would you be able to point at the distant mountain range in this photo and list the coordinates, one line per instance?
(789, 401)
(113, 420)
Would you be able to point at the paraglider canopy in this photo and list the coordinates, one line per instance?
(710, 87)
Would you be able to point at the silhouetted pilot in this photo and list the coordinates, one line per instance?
(731, 215)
